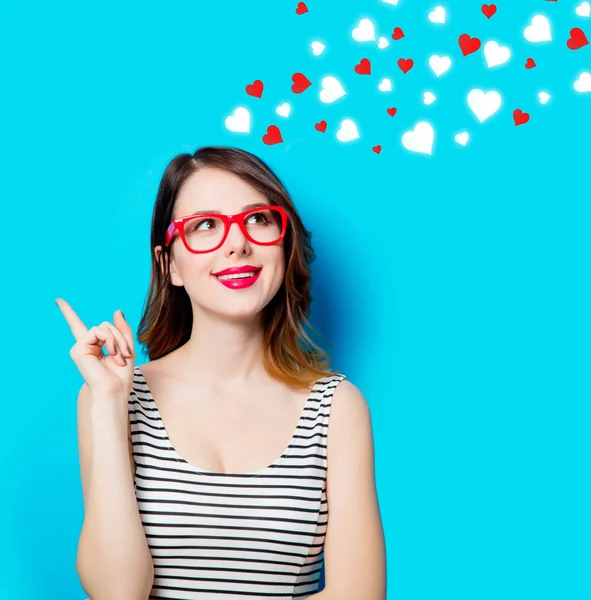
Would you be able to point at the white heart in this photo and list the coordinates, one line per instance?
(383, 43)
(394, 2)
(364, 32)
(439, 64)
(348, 131)
(495, 54)
(428, 98)
(437, 15)
(239, 121)
(584, 9)
(420, 139)
(462, 138)
(385, 85)
(283, 110)
(331, 89)
(539, 30)
(484, 105)
(317, 48)
(544, 97)
(583, 83)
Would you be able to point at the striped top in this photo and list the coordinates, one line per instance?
(247, 535)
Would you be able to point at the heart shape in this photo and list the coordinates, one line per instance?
(317, 48)
(405, 64)
(483, 105)
(377, 149)
(320, 126)
(283, 110)
(439, 64)
(392, 111)
(301, 8)
(331, 89)
(488, 10)
(520, 117)
(468, 44)
(544, 97)
(255, 89)
(348, 131)
(584, 9)
(398, 34)
(300, 83)
(383, 42)
(577, 39)
(365, 32)
(363, 68)
(583, 83)
(539, 30)
(273, 136)
(437, 15)
(462, 138)
(239, 121)
(495, 54)
(429, 98)
(420, 139)
(530, 63)
(385, 85)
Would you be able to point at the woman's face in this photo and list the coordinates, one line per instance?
(218, 190)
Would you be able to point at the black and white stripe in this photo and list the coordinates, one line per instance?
(249, 535)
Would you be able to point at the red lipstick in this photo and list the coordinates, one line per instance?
(238, 283)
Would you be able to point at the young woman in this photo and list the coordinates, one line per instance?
(211, 470)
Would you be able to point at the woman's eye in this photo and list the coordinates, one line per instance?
(259, 216)
(199, 224)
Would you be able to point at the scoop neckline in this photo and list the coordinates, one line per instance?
(275, 464)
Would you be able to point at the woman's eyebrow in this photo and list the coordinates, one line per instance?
(218, 212)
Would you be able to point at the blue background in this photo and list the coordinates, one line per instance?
(454, 288)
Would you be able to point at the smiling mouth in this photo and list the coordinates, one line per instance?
(245, 275)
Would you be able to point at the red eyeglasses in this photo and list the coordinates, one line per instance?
(265, 225)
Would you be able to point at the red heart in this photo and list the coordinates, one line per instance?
(377, 149)
(273, 135)
(364, 67)
(530, 64)
(321, 126)
(255, 88)
(577, 39)
(398, 33)
(488, 10)
(392, 111)
(468, 44)
(520, 117)
(301, 9)
(406, 64)
(300, 83)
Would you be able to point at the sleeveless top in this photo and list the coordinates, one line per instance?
(247, 535)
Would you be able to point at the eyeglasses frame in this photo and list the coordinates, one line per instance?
(239, 218)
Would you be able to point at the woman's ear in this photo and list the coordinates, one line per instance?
(161, 259)
(166, 265)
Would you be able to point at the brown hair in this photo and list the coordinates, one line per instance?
(167, 315)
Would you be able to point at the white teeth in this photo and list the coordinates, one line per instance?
(236, 276)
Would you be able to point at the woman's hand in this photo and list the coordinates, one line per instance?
(104, 374)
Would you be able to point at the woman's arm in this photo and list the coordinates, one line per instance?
(113, 560)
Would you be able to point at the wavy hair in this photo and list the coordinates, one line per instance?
(290, 355)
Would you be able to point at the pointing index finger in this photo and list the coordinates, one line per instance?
(74, 321)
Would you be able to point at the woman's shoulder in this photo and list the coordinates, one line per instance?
(153, 366)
